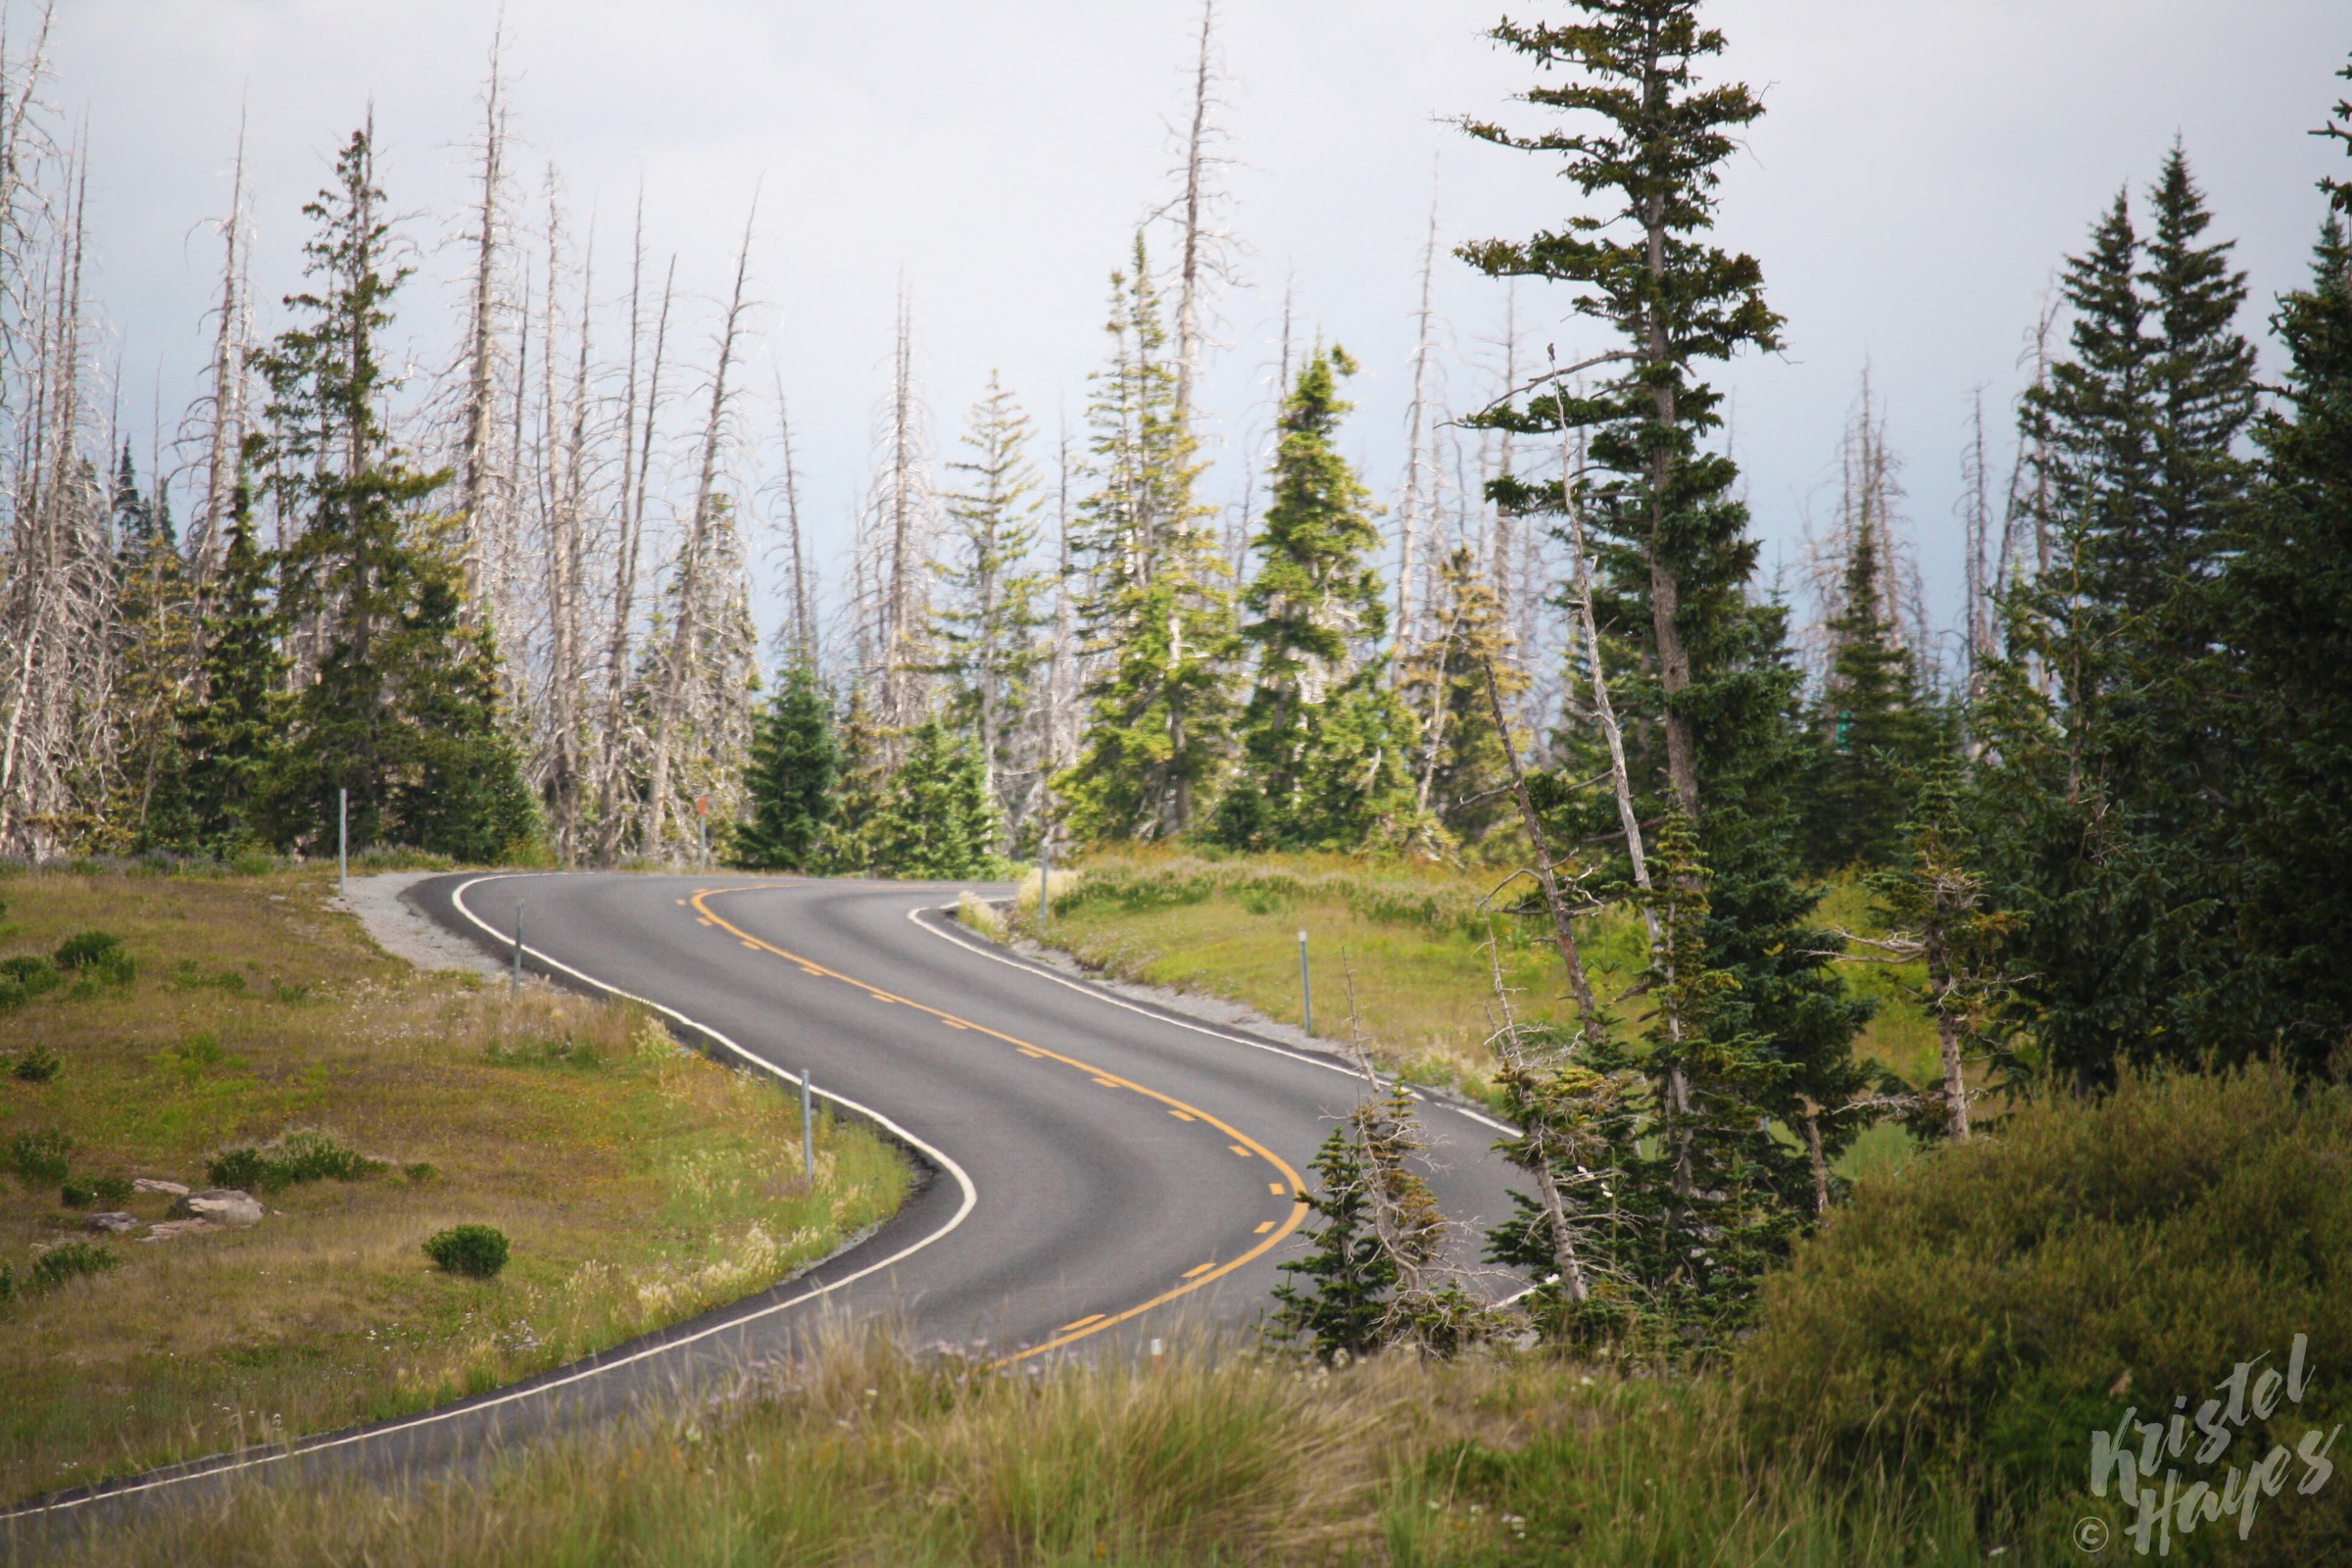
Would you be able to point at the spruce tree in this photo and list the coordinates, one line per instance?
(462, 793)
(1159, 618)
(1323, 740)
(1338, 1306)
(990, 610)
(861, 794)
(2106, 748)
(1461, 774)
(400, 709)
(2287, 661)
(233, 727)
(1874, 733)
(939, 821)
(795, 764)
(1709, 674)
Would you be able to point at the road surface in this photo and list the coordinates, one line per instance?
(1095, 1171)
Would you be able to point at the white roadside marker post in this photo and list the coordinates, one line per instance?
(1307, 986)
(1045, 880)
(807, 1128)
(515, 984)
(343, 845)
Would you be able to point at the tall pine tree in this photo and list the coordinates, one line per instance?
(399, 707)
(1323, 740)
(1461, 776)
(1710, 678)
(1159, 616)
(2287, 663)
(232, 729)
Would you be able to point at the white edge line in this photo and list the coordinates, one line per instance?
(1099, 995)
(457, 900)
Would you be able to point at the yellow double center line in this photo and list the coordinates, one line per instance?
(1206, 1273)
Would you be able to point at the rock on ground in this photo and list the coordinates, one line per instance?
(156, 1184)
(113, 1223)
(223, 1205)
(177, 1227)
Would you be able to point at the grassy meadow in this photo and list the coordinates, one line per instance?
(1408, 939)
(639, 1183)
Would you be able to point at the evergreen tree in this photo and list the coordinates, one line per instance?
(2287, 633)
(986, 628)
(1323, 741)
(1159, 616)
(232, 729)
(1339, 1307)
(462, 793)
(794, 767)
(1874, 732)
(940, 821)
(2096, 806)
(1709, 675)
(400, 707)
(862, 796)
(1463, 773)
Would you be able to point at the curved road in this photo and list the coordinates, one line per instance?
(1097, 1170)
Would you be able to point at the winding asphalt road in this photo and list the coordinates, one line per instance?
(1096, 1171)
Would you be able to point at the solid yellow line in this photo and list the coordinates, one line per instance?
(1208, 1273)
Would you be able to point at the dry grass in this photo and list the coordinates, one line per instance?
(867, 1457)
(639, 1183)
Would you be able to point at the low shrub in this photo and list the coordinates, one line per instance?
(296, 1158)
(70, 1260)
(478, 1252)
(38, 1156)
(73, 1194)
(87, 949)
(37, 1065)
(1994, 1304)
(421, 1171)
(112, 1190)
(25, 977)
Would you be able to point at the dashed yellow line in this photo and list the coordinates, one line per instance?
(1095, 1317)
(1180, 1115)
(1242, 1144)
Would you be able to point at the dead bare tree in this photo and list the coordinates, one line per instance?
(694, 562)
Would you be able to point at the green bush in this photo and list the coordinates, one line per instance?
(87, 949)
(73, 1194)
(39, 1156)
(112, 1190)
(478, 1252)
(38, 1065)
(298, 1158)
(69, 1261)
(25, 977)
(1992, 1305)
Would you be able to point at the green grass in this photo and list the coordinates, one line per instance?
(868, 1457)
(1411, 938)
(640, 1183)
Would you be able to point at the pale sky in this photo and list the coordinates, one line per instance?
(1921, 171)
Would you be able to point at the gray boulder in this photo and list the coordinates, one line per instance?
(223, 1205)
(156, 1184)
(114, 1223)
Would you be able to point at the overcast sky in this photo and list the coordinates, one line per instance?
(1920, 172)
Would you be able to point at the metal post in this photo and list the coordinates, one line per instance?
(514, 985)
(343, 844)
(1307, 986)
(1045, 880)
(807, 1128)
